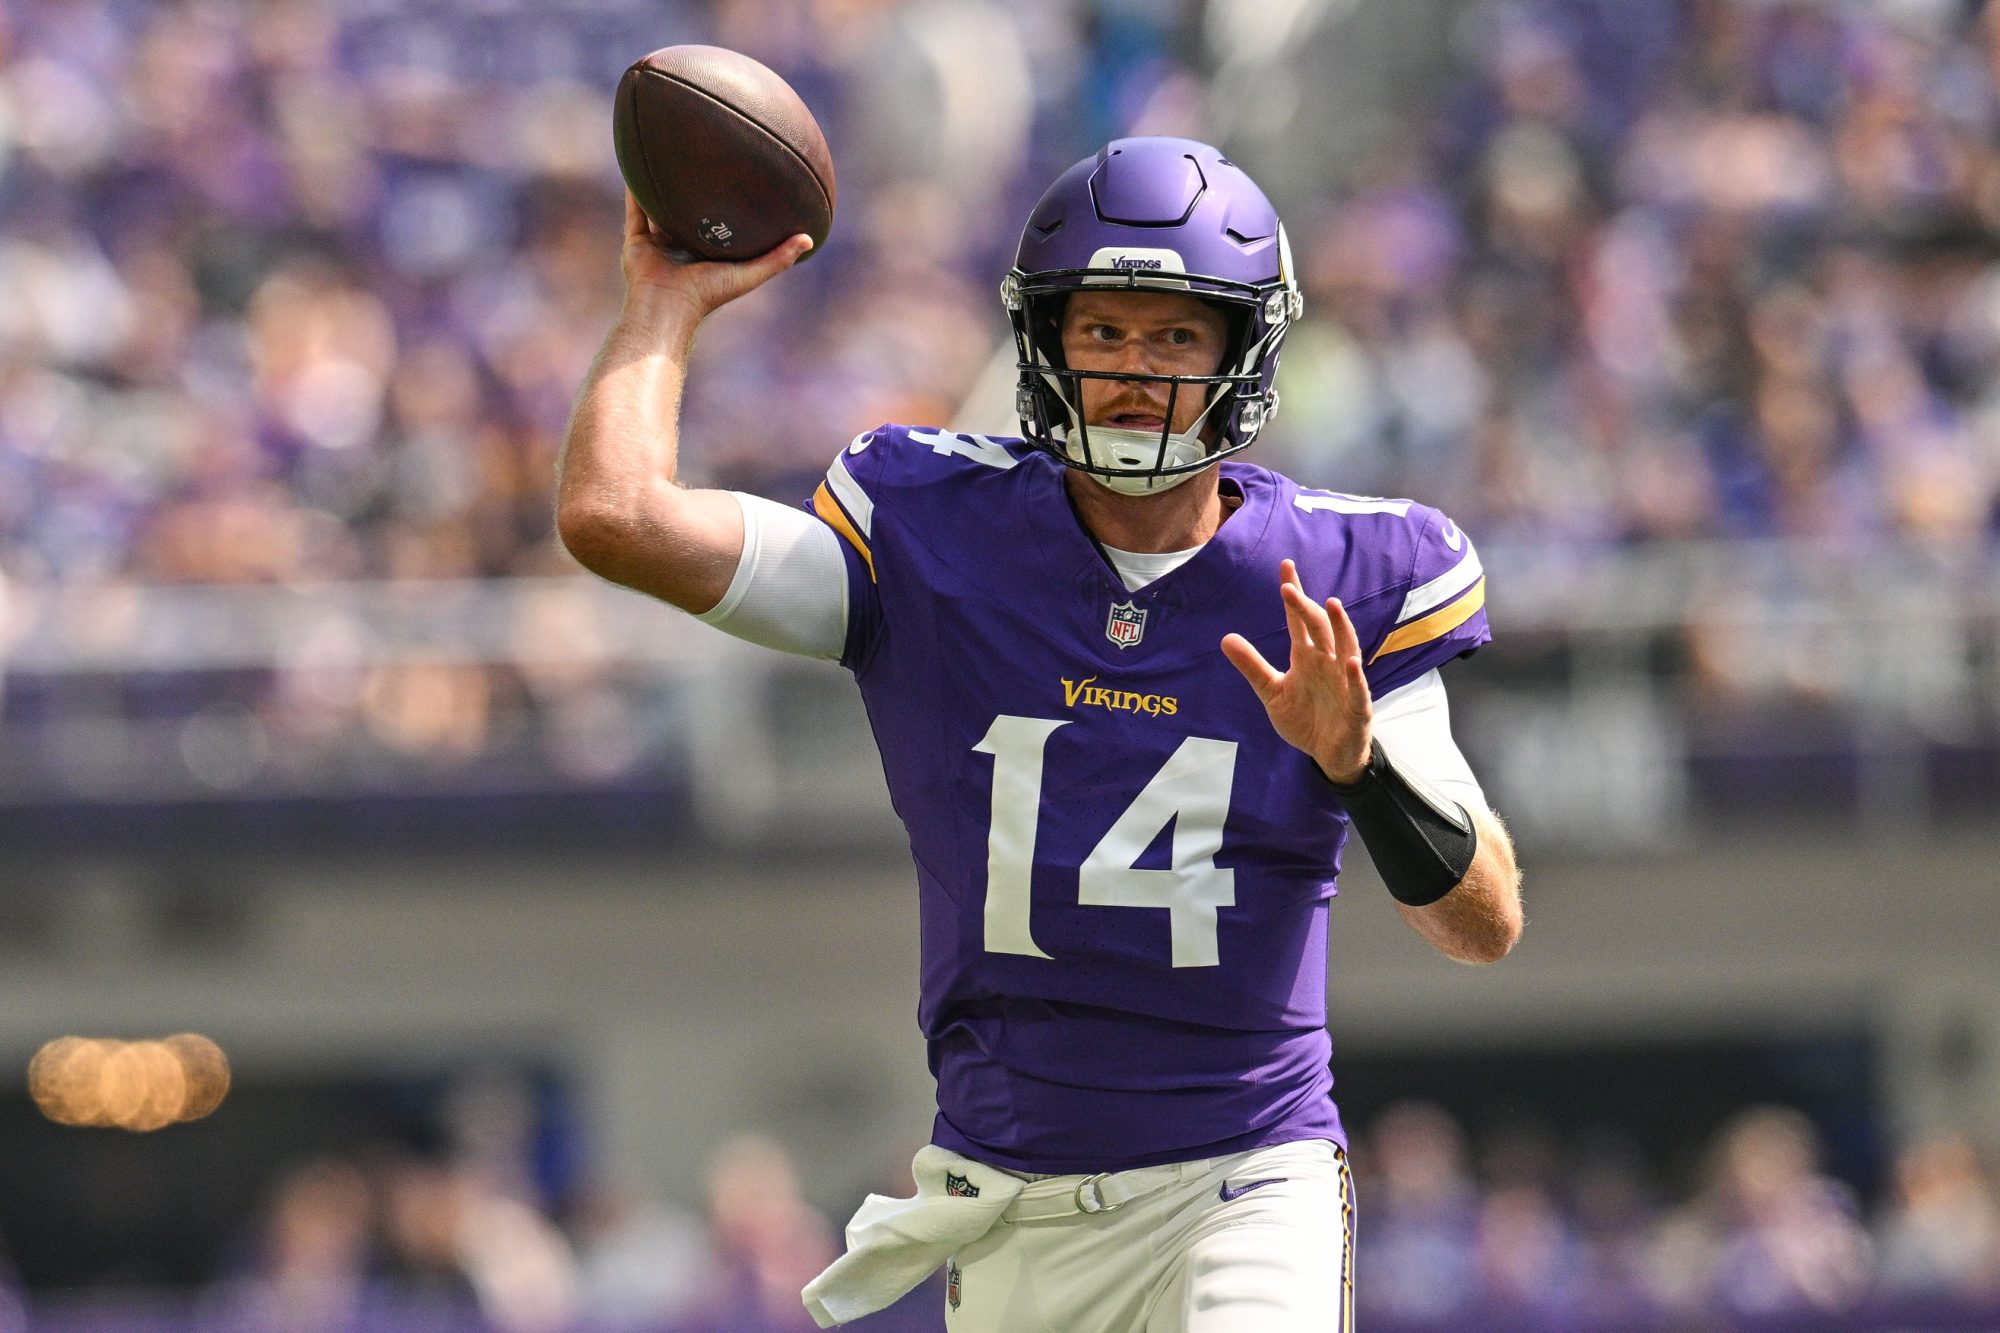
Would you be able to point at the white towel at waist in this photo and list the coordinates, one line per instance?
(893, 1244)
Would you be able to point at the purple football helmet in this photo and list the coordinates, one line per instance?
(1152, 214)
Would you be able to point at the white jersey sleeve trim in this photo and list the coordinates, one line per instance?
(1414, 725)
(1444, 587)
(789, 591)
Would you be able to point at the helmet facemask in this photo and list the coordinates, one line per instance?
(1237, 403)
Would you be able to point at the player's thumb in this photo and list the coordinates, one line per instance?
(778, 258)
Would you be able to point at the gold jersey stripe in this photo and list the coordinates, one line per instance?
(836, 518)
(1442, 621)
(1346, 1324)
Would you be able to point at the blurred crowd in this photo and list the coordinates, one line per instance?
(1678, 270)
(1517, 1231)
(303, 289)
(1529, 1233)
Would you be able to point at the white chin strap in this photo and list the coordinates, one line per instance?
(1136, 452)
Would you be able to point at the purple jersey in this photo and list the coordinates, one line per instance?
(1124, 872)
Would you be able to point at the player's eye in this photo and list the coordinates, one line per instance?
(1180, 337)
(1103, 333)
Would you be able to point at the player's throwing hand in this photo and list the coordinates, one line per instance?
(1322, 704)
(701, 287)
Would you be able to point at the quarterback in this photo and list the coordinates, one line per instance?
(1131, 694)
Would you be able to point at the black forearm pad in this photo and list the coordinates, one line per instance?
(1421, 850)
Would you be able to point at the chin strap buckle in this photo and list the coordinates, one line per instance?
(1256, 413)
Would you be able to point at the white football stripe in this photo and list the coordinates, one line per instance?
(1429, 596)
(852, 498)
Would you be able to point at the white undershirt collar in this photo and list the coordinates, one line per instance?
(1138, 568)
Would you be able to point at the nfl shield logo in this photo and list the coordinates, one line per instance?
(1127, 624)
(959, 1187)
(952, 1284)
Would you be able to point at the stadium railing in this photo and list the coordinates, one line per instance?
(1626, 693)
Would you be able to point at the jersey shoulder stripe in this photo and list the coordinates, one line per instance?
(880, 464)
(860, 508)
(827, 507)
(1445, 587)
(1437, 624)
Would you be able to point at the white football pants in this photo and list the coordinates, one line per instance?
(1255, 1242)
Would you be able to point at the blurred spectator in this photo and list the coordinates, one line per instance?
(1528, 1260)
(1421, 1215)
(641, 1264)
(1613, 1208)
(457, 1240)
(1940, 1236)
(312, 1264)
(768, 1241)
(1769, 1234)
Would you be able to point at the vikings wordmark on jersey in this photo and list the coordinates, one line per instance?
(1124, 906)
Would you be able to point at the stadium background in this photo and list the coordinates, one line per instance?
(563, 949)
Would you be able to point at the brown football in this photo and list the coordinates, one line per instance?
(721, 153)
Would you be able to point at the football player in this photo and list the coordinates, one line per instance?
(1131, 694)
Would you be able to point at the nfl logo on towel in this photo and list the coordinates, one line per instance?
(953, 1284)
(959, 1187)
(1127, 624)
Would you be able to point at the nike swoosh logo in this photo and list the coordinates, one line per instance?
(1230, 1195)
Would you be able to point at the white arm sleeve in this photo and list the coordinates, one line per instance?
(790, 587)
(1414, 725)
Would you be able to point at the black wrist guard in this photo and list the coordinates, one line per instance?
(1421, 842)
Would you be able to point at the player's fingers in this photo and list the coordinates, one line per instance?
(1243, 655)
(1360, 702)
(1297, 607)
(1346, 643)
(1308, 619)
(1324, 637)
(635, 218)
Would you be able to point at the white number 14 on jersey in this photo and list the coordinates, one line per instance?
(1192, 789)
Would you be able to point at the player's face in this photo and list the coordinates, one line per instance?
(1142, 333)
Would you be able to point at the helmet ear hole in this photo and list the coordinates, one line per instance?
(1044, 324)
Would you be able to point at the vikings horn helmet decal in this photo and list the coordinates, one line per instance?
(1152, 214)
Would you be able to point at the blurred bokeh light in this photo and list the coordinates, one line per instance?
(133, 1085)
